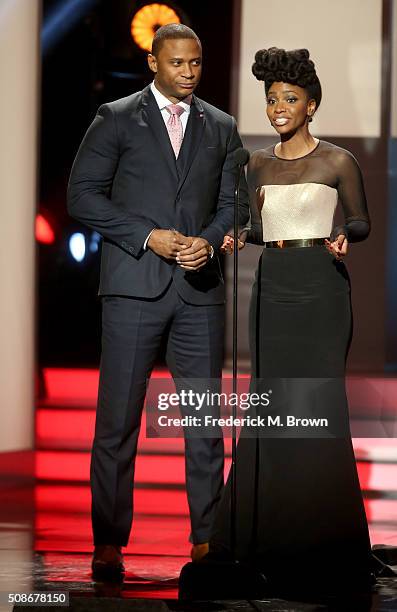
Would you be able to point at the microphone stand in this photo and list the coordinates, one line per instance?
(233, 479)
(216, 578)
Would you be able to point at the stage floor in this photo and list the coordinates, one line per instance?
(45, 531)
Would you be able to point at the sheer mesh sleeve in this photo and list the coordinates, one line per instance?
(253, 232)
(351, 193)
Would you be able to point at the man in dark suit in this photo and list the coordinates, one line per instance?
(155, 177)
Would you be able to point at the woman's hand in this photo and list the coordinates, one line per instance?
(228, 245)
(338, 248)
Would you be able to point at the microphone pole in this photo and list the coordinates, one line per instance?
(241, 157)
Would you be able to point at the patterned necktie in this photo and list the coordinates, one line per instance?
(174, 126)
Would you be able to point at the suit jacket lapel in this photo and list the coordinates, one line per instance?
(191, 141)
(152, 116)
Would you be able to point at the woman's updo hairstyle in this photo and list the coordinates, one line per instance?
(293, 67)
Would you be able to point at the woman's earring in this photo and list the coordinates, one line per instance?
(310, 118)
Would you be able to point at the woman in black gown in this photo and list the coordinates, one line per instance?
(300, 516)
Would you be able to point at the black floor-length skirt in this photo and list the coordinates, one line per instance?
(300, 515)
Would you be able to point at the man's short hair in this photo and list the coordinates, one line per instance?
(172, 31)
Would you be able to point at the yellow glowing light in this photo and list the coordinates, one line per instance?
(147, 20)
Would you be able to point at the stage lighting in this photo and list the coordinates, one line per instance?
(94, 243)
(148, 20)
(43, 230)
(60, 20)
(77, 246)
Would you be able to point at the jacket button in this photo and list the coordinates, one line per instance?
(131, 250)
(123, 244)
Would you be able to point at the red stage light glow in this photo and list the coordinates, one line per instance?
(44, 232)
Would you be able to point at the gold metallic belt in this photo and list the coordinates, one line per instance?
(300, 242)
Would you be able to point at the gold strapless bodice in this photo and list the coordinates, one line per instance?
(304, 210)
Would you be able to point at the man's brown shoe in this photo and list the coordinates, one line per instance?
(108, 562)
(199, 551)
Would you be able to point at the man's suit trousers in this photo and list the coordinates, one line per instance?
(132, 332)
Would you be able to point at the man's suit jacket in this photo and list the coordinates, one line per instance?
(125, 181)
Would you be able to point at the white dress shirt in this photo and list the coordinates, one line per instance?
(162, 102)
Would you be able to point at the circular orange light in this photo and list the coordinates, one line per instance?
(148, 20)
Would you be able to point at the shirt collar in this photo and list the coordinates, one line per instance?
(162, 101)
